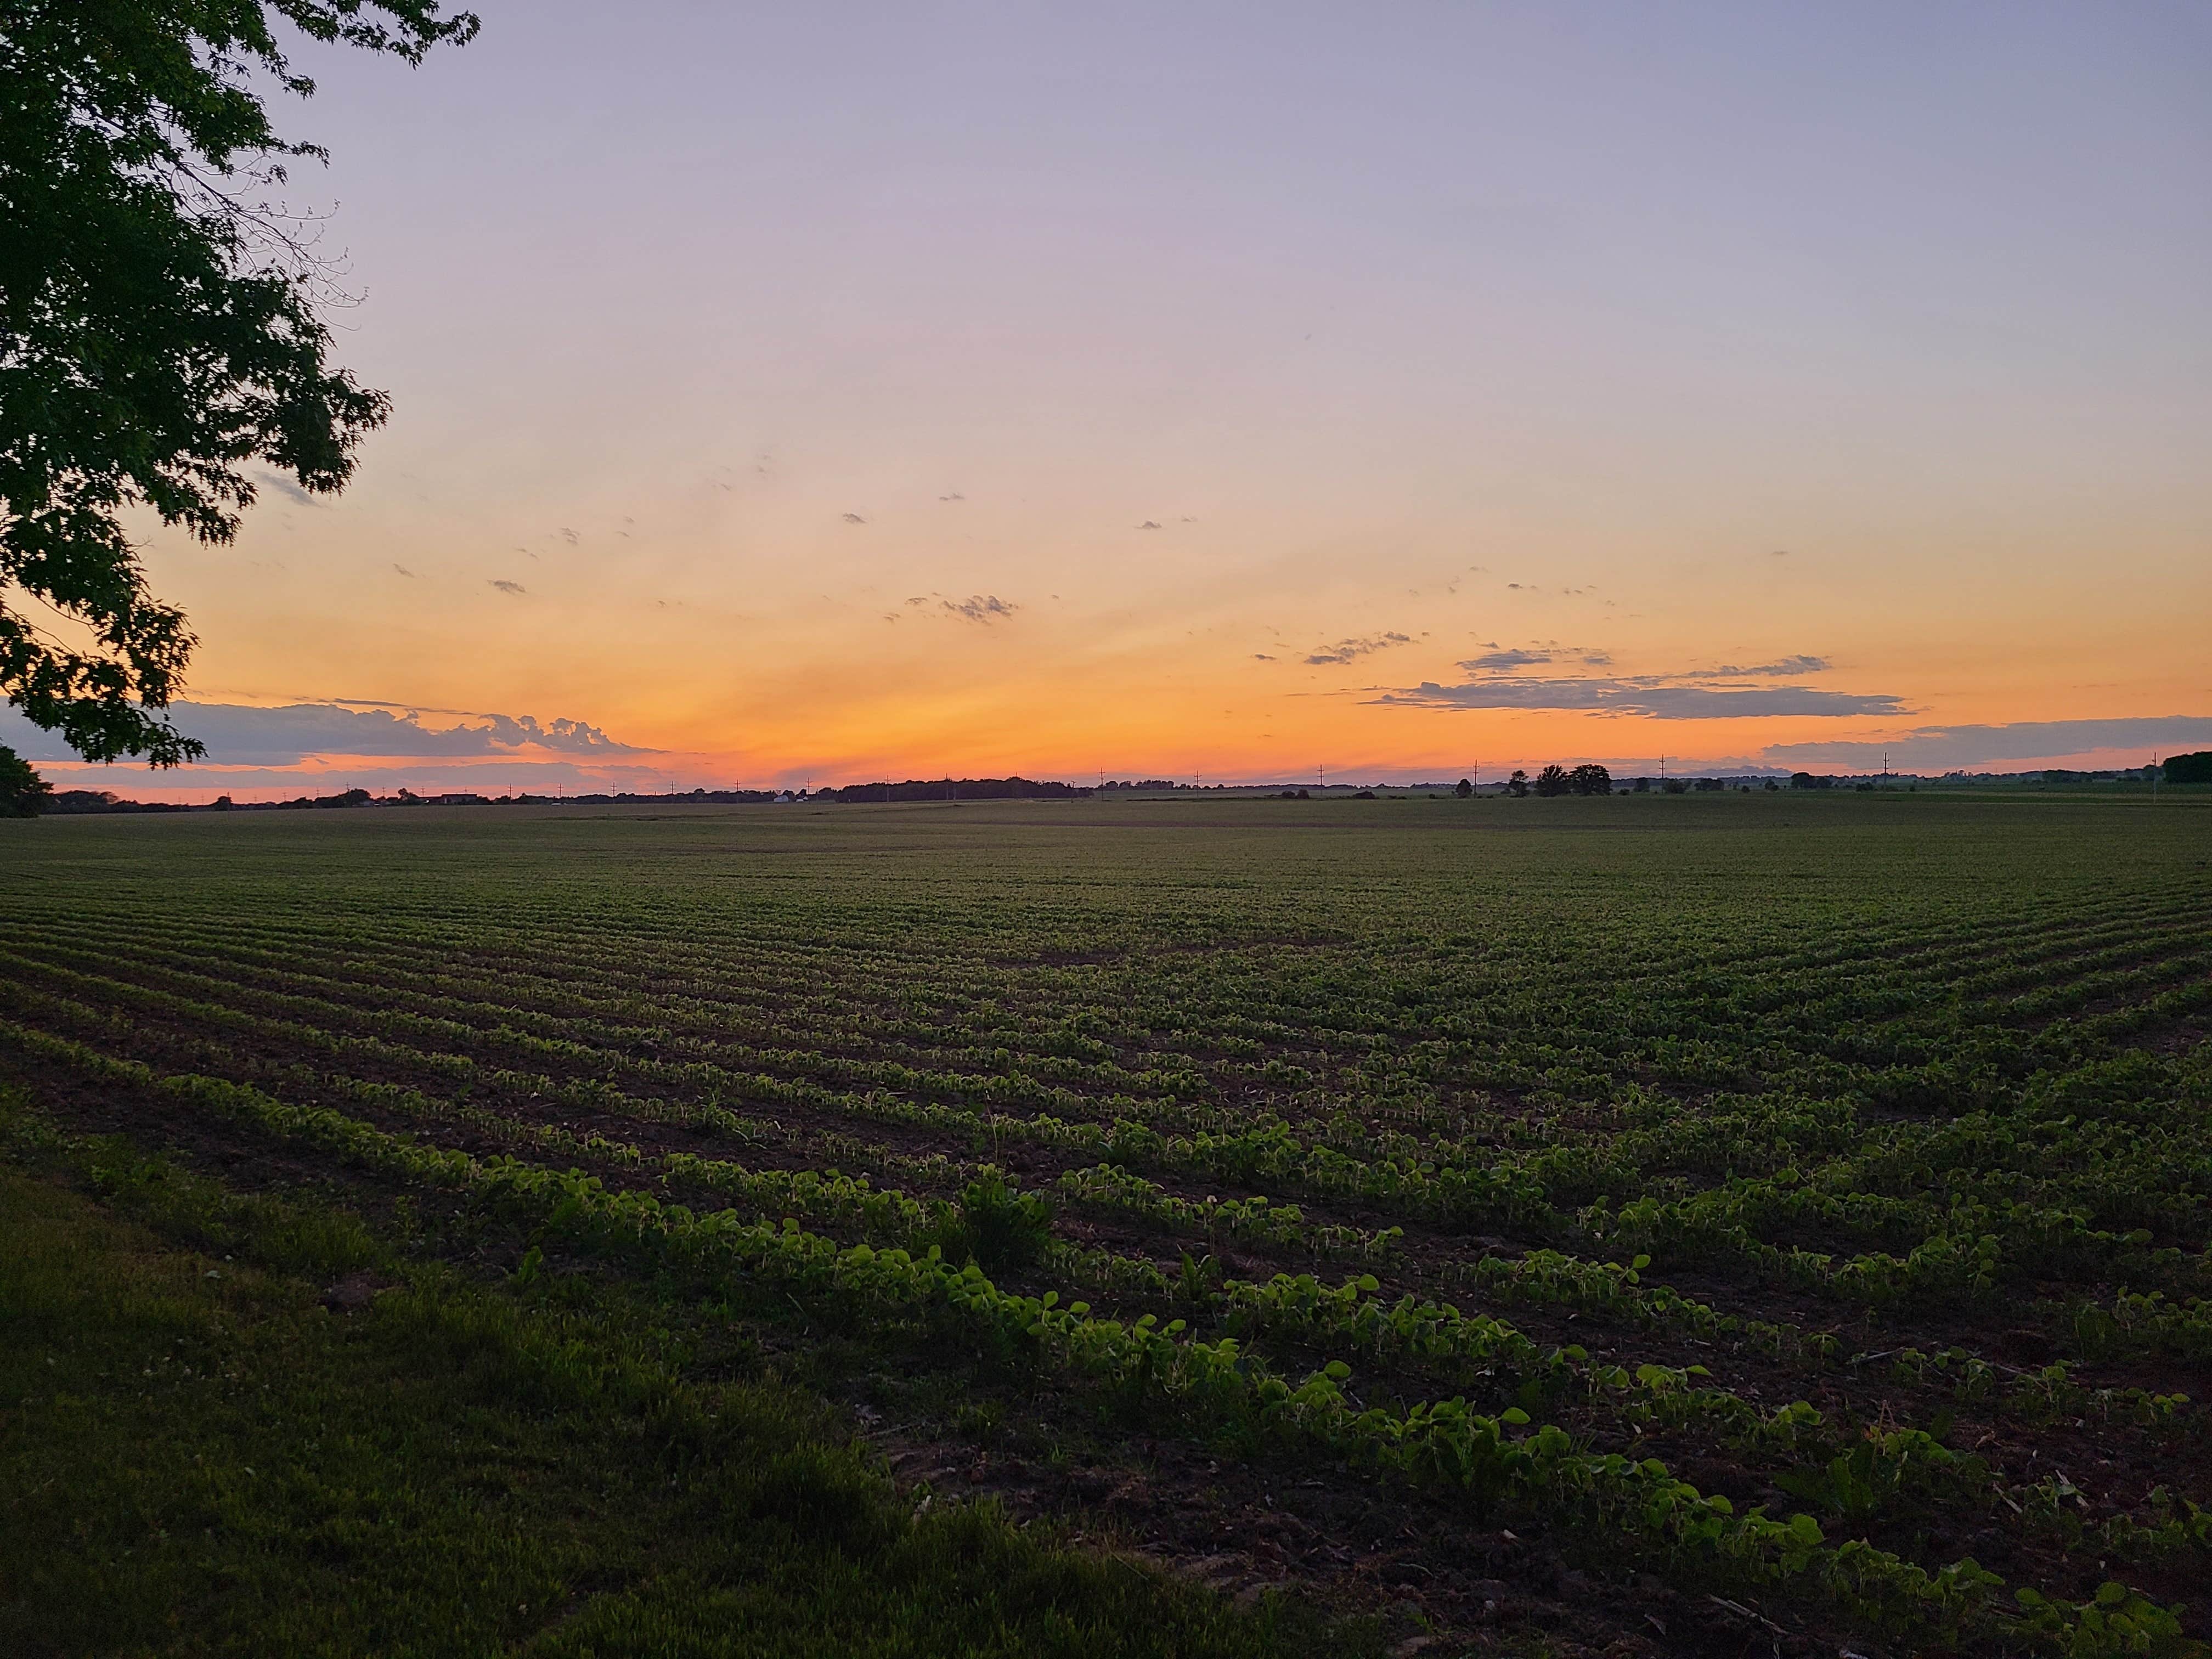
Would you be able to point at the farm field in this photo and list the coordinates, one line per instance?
(1634, 1224)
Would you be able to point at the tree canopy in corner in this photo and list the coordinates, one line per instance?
(159, 325)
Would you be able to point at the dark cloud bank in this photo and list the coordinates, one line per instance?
(236, 735)
(1629, 696)
(1967, 748)
(1726, 692)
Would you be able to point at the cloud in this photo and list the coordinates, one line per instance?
(1968, 748)
(404, 571)
(1652, 699)
(283, 486)
(237, 735)
(1150, 523)
(570, 536)
(1344, 650)
(1697, 693)
(1781, 669)
(854, 517)
(983, 608)
(954, 497)
(508, 586)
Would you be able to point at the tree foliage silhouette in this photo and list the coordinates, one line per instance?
(159, 325)
(1590, 779)
(2189, 769)
(22, 791)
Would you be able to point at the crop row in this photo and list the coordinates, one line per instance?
(1962, 1235)
(814, 1014)
(1299, 1309)
(1439, 1444)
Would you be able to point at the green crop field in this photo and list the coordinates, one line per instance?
(1728, 1223)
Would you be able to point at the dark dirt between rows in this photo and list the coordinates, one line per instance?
(1245, 1528)
(1144, 1502)
(1255, 1525)
(1421, 1267)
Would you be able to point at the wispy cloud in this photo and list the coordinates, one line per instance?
(980, 608)
(288, 488)
(1783, 668)
(1971, 748)
(1496, 660)
(508, 586)
(854, 517)
(1346, 650)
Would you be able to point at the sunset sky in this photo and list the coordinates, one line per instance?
(838, 392)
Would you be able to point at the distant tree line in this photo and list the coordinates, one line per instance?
(963, 789)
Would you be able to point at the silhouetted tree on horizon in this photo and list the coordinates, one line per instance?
(1590, 780)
